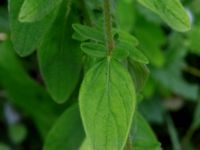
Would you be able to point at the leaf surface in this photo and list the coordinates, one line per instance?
(26, 36)
(60, 59)
(107, 109)
(142, 135)
(35, 10)
(88, 33)
(94, 49)
(67, 133)
(171, 11)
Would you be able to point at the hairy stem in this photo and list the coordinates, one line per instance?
(108, 26)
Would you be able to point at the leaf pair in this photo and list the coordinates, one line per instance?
(125, 45)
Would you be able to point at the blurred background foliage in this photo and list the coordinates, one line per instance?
(170, 99)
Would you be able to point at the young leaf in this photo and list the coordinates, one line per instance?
(88, 33)
(60, 58)
(26, 36)
(127, 38)
(119, 53)
(134, 53)
(35, 10)
(94, 49)
(142, 135)
(67, 133)
(107, 109)
(171, 11)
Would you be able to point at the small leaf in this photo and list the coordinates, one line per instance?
(134, 53)
(88, 33)
(171, 11)
(60, 58)
(26, 36)
(106, 127)
(94, 49)
(67, 133)
(142, 135)
(35, 10)
(127, 38)
(120, 53)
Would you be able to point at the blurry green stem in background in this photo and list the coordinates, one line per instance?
(108, 26)
(192, 70)
(173, 133)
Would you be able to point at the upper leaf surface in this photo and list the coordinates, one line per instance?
(106, 126)
(67, 133)
(60, 58)
(26, 36)
(94, 49)
(142, 135)
(35, 10)
(171, 11)
(88, 33)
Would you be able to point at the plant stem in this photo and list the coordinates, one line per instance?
(108, 26)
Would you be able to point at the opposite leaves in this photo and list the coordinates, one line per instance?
(171, 11)
(107, 103)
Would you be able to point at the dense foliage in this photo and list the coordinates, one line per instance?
(99, 75)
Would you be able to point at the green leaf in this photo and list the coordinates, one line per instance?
(94, 49)
(193, 40)
(20, 88)
(35, 10)
(142, 135)
(60, 58)
(119, 53)
(123, 8)
(67, 133)
(126, 38)
(140, 73)
(26, 36)
(151, 39)
(134, 53)
(171, 11)
(106, 127)
(88, 33)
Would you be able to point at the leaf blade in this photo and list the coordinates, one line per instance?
(171, 11)
(102, 128)
(35, 10)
